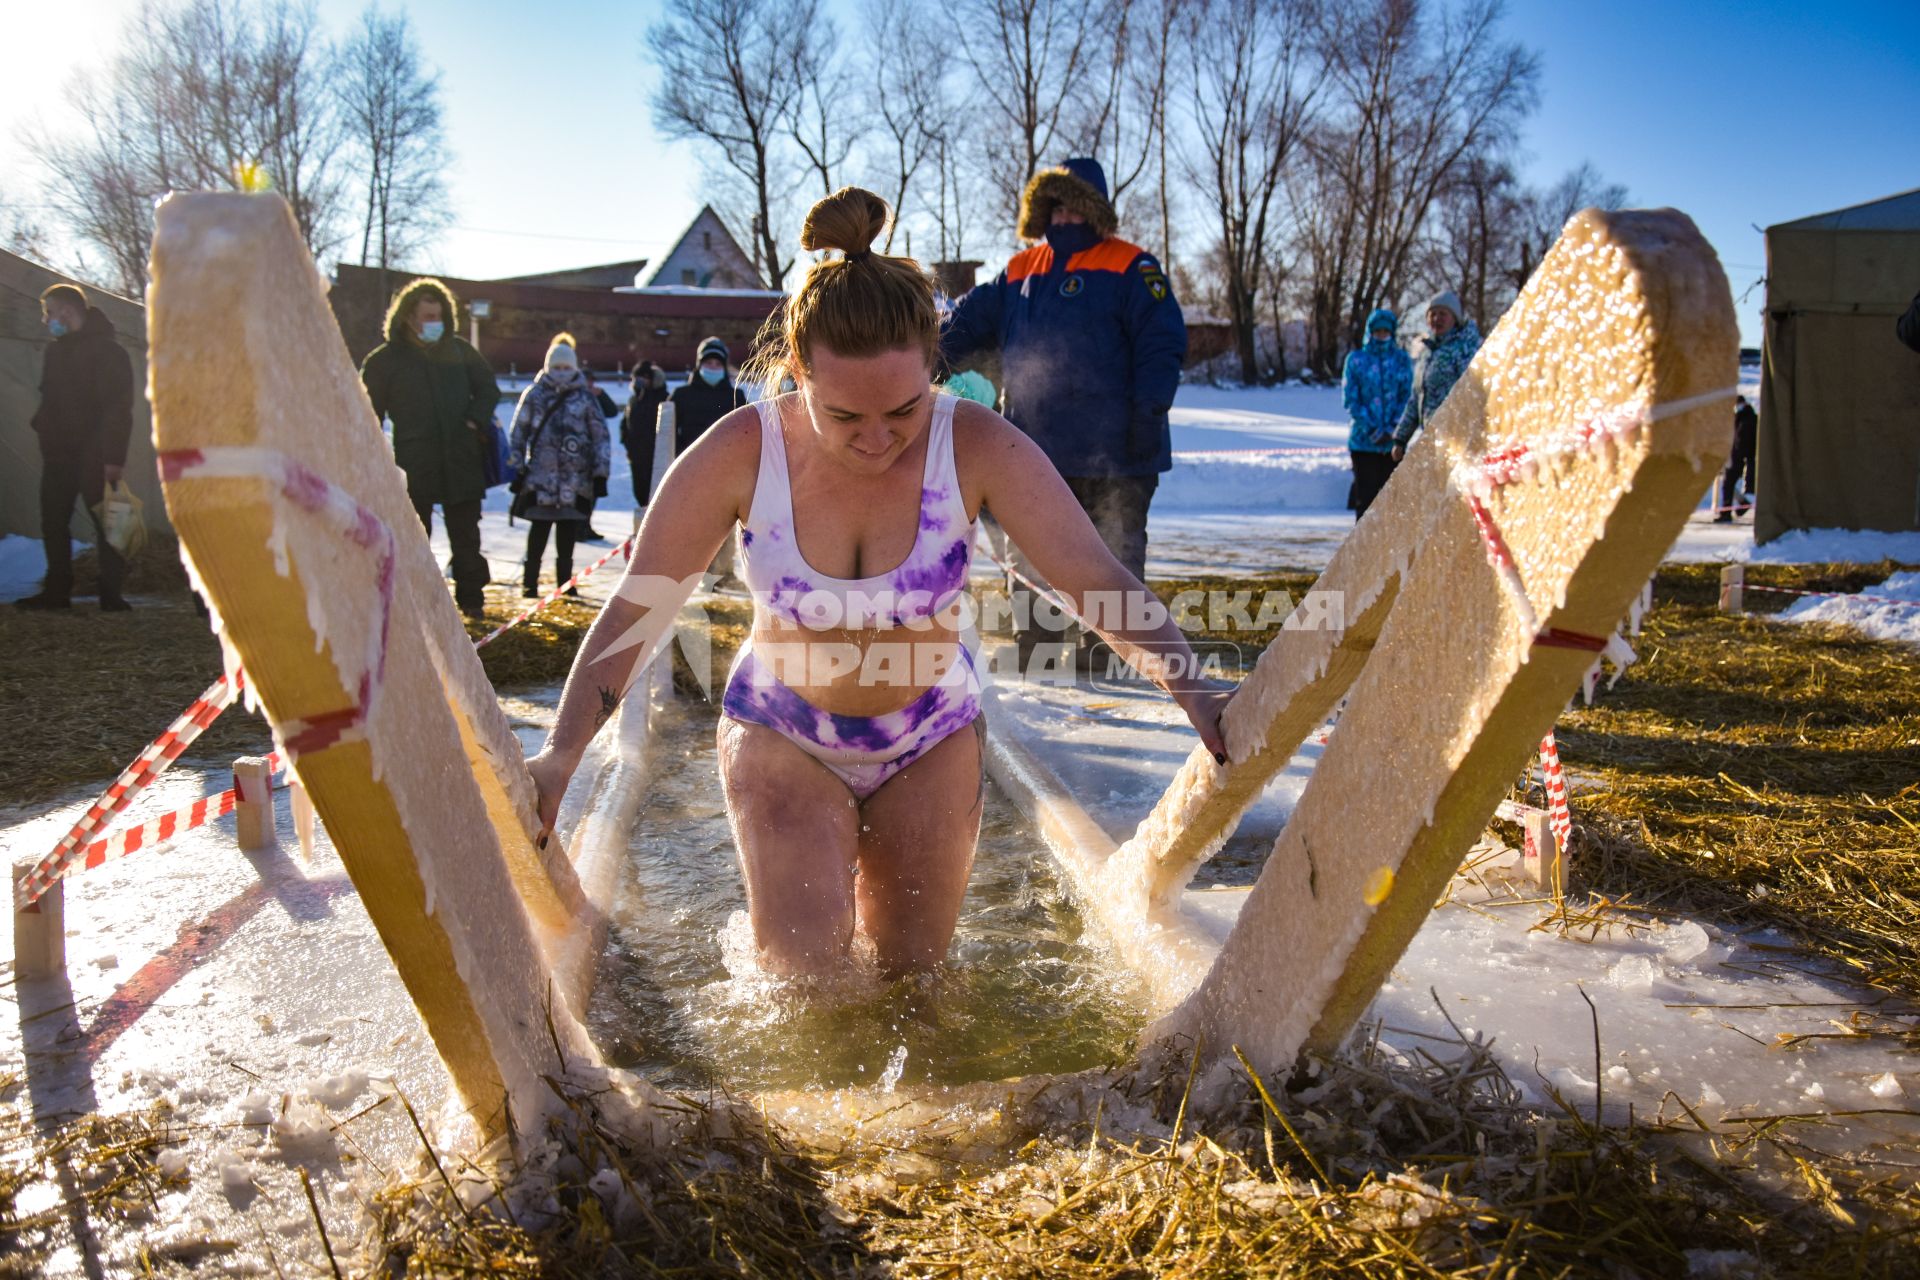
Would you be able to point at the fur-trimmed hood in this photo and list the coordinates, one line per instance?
(426, 287)
(1053, 187)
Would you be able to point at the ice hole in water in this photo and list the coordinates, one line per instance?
(681, 999)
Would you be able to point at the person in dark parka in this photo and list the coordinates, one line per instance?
(641, 416)
(1746, 434)
(440, 395)
(1091, 342)
(710, 395)
(83, 423)
(1907, 327)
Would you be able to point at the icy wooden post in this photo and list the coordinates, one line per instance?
(302, 805)
(282, 495)
(1520, 529)
(40, 930)
(1733, 588)
(1540, 853)
(253, 802)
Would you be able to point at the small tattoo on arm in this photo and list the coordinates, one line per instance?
(609, 703)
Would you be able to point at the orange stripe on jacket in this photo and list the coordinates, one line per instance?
(1110, 254)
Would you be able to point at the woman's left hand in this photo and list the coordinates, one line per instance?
(1204, 704)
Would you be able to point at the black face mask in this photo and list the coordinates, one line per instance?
(1069, 238)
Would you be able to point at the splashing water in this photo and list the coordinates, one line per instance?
(681, 996)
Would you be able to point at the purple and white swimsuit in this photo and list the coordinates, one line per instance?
(864, 751)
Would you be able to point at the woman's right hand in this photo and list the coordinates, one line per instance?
(550, 778)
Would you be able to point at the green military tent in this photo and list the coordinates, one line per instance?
(22, 341)
(1840, 396)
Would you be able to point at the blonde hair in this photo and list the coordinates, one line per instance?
(563, 336)
(858, 304)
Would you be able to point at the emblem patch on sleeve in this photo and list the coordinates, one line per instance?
(1154, 278)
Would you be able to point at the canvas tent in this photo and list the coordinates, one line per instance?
(1840, 396)
(22, 341)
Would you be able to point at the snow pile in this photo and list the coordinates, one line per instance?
(1265, 482)
(1879, 618)
(1838, 546)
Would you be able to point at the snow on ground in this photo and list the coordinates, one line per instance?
(244, 992)
(1683, 1006)
(1882, 618)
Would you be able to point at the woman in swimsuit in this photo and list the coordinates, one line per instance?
(850, 740)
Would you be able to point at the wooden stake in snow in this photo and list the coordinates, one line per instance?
(253, 816)
(1541, 854)
(39, 930)
(1733, 588)
(302, 805)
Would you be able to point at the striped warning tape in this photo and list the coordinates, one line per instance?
(76, 847)
(1896, 601)
(135, 778)
(559, 591)
(157, 831)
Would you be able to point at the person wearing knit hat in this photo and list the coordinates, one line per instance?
(637, 425)
(1375, 385)
(708, 396)
(562, 455)
(1091, 341)
(1445, 353)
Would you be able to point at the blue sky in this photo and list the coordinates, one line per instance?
(1741, 114)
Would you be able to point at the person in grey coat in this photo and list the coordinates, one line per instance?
(561, 455)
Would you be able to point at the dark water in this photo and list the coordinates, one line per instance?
(1023, 991)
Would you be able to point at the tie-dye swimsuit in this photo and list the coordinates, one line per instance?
(864, 751)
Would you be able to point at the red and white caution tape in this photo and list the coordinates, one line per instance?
(148, 765)
(1274, 452)
(1555, 780)
(1834, 595)
(624, 548)
(157, 831)
(76, 848)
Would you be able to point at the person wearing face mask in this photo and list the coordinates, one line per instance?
(1445, 353)
(83, 422)
(708, 396)
(439, 393)
(1375, 385)
(560, 449)
(1091, 341)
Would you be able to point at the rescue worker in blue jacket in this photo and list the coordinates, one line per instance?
(1091, 341)
(1375, 385)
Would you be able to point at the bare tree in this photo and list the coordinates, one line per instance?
(821, 123)
(1251, 80)
(1543, 213)
(1418, 88)
(906, 72)
(1479, 228)
(391, 103)
(21, 232)
(203, 94)
(728, 77)
(1030, 59)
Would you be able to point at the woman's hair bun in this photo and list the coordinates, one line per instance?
(849, 220)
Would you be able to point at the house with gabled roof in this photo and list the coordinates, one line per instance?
(706, 257)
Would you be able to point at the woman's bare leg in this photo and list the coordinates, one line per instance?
(916, 840)
(797, 830)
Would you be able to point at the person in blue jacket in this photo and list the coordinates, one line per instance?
(1091, 341)
(1375, 385)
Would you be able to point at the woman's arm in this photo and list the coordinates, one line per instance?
(700, 500)
(1038, 511)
